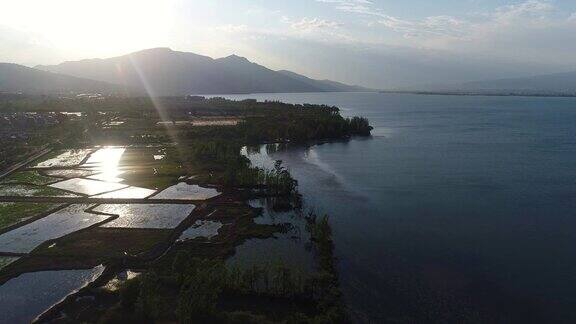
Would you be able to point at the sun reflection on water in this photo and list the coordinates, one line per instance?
(106, 162)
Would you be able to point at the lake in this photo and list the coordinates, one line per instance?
(458, 209)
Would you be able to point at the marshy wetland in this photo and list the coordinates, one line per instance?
(136, 192)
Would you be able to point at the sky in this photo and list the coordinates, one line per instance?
(375, 43)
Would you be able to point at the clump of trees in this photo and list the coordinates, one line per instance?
(325, 281)
(302, 124)
(202, 284)
(218, 152)
(274, 182)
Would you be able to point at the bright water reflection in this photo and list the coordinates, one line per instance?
(127, 193)
(68, 158)
(184, 191)
(87, 186)
(110, 175)
(69, 173)
(161, 216)
(106, 161)
(26, 238)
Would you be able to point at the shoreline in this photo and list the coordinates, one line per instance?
(481, 94)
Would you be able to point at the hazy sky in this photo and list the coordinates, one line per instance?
(379, 43)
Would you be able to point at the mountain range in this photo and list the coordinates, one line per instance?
(164, 72)
(557, 84)
(160, 72)
(17, 78)
(549, 83)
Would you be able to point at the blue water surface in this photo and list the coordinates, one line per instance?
(457, 210)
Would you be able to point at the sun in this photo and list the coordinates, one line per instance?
(93, 28)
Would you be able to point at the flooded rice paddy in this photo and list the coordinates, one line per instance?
(127, 193)
(27, 296)
(106, 162)
(70, 219)
(105, 157)
(69, 173)
(112, 175)
(103, 173)
(87, 187)
(66, 159)
(184, 191)
(202, 228)
(15, 212)
(160, 216)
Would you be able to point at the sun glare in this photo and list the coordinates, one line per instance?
(106, 162)
(100, 28)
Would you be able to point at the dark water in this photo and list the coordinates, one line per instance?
(288, 249)
(457, 210)
(27, 296)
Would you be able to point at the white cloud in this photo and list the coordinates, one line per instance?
(435, 25)
(354, 6)
(309, 24)
(529, 9)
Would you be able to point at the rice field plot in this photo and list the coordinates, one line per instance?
(87, 186)
(127, 193)
(105, 157)
(26, 238)
(29, 295)
(69, 173)
(201, 229)
(184, 191)
(108, 175)
(99, 244)
(67, 158)
(14, 212)
(151, 167)
(158, 216)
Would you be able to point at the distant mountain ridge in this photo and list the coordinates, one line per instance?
(556, 83)
(164, 72)
(16, 78)
(326, 85)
